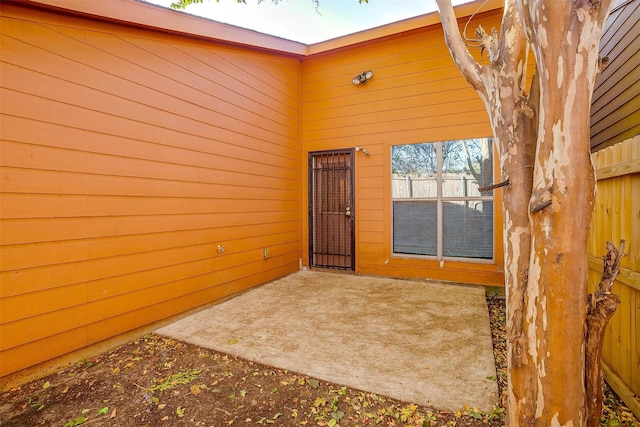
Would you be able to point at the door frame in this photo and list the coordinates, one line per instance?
(311, 193)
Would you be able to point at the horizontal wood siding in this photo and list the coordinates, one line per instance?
(616, 217)
(127, 157)
(416, 95)
(615, 111)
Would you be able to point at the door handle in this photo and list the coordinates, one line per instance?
(348, 211)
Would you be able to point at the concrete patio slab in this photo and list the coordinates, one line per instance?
(422, 342)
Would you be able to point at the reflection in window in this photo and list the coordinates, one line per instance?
(438, 209)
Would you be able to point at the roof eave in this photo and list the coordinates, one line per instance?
(403, 26)
(146, 15)
(141, 14)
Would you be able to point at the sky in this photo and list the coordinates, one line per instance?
(299, 20)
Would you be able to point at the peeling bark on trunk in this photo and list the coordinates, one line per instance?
(564, 38)
(513, 116)
(543, 141)
(601, 305)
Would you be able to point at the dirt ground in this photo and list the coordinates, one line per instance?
(156, 381)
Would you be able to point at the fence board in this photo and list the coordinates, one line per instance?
(616, 217)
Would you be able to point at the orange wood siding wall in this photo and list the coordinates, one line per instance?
(416, 95)
(127, 157)
(615, 110)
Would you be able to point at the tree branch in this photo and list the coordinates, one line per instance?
(465, 62)
(601, 305)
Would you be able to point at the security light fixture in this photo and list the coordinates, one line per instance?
(364, 150)
(362, 78)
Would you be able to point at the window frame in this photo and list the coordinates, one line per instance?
(440, 200)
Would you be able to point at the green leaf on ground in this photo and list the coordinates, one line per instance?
(76, 422)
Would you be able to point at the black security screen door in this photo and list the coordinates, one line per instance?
(331, 210)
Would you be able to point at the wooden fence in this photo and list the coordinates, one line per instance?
(617, 216)
(421, 186)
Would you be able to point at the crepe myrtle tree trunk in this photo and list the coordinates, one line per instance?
(542, 137)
